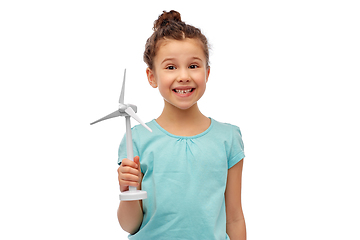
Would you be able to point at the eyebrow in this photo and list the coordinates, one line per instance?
(167, 59)
(170, 59)
(197, 58)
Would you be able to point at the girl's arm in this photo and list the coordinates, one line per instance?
(235, 222)
(130, 213)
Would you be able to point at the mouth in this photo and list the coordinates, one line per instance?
(183, 91)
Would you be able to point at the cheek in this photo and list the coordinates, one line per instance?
(201, 79)
(164, 88)
(165, 82)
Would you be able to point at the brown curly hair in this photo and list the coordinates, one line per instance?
(170, 26)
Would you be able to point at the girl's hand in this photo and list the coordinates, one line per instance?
(129, 173)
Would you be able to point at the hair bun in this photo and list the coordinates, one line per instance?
(165, 18)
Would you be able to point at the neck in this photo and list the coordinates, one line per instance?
(180, 118)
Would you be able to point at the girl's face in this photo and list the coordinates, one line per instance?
(180, 72)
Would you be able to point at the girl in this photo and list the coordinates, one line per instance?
(190, 165)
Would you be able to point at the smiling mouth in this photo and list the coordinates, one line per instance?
(183, 91)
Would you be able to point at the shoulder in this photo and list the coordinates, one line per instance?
(225, 128)
(139, 129)
(231, 136)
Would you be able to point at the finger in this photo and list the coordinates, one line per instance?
(124, 183)
(137, 161)
(130, 178)
(126, 186)
(127, 162)
(129, 170)
(123, 189)
(128, 173)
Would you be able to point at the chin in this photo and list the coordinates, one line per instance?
(184, 107)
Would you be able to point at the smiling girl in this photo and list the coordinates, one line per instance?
(191, 165)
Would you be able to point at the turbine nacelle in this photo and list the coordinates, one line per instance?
(123, 107)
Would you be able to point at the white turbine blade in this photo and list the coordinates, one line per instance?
(111, 115)
(131, 112)
(121, 99)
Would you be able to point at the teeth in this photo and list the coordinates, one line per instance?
(183, 91)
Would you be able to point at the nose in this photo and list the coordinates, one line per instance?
(184, 76)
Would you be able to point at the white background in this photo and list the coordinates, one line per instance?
(286, 72)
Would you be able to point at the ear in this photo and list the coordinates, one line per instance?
(207, 73)
(151, 77)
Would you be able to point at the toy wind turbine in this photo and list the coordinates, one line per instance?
(127, 110)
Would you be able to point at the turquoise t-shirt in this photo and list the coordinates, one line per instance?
(185, 179)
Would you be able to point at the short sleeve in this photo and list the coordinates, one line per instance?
(237, 148)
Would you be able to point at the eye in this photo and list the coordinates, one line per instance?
(170, 67)
(193, 66)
